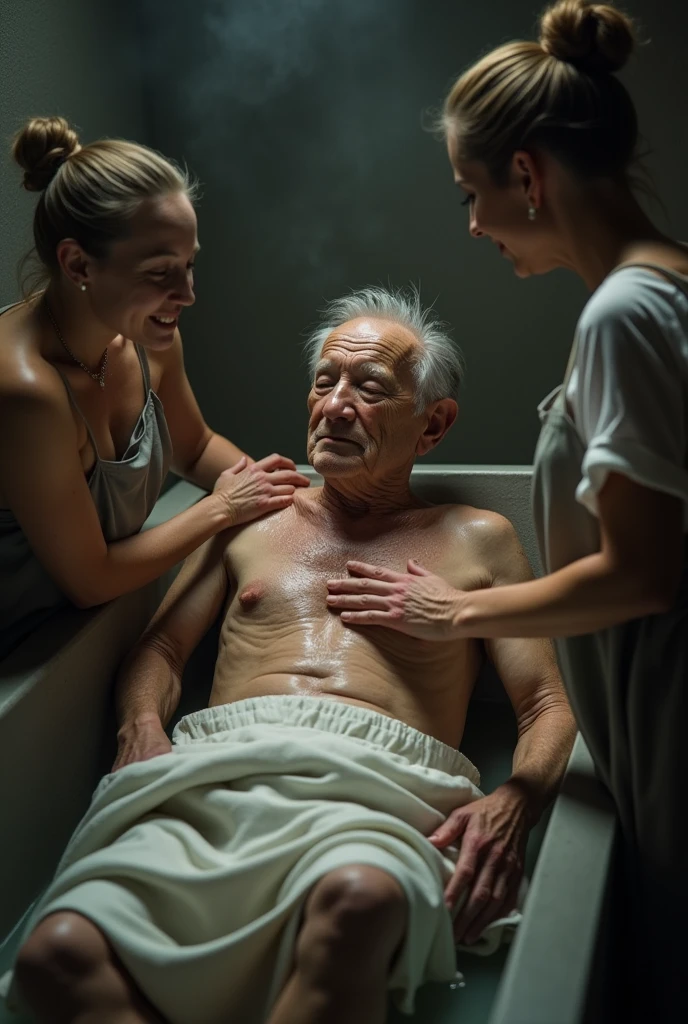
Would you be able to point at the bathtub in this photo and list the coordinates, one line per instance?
(57, 738)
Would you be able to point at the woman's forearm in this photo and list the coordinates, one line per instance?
(219, 454)
(584, 597)
(137, 560)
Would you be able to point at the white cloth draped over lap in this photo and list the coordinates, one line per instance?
(196, 864)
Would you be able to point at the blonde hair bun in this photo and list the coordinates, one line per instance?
(593, 37)
(41, 147)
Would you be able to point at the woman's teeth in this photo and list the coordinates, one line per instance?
(165, 320)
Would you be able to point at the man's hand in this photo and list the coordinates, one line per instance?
(493, 834)
(139, 741)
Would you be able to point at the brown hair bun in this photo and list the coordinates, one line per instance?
(592, 37)
(41, 147)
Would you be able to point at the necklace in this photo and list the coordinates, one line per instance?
(100, 375)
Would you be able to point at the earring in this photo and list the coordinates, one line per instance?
(83, 287)
(532, 212)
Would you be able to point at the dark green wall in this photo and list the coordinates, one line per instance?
(303, 121)
(77, 58)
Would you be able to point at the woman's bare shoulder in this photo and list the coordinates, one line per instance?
(25, 375)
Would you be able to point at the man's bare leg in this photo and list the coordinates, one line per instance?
(68, 974)
(354, 921)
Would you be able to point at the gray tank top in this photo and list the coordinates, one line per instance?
(124, 493)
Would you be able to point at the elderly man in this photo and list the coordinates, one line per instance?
(291, 856)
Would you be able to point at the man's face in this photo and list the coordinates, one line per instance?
(362, 402)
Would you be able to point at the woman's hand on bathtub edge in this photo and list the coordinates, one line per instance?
(139, 741)
(492, 833)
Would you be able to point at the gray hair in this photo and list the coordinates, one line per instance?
(438, 369)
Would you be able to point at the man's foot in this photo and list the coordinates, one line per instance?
(354, 922)
(68, 974)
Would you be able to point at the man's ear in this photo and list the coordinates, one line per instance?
(439, 418)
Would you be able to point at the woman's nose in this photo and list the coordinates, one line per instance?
(184, 291)
(473, 227)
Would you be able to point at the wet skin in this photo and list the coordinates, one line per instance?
(278, 635)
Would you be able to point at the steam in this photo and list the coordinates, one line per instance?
(262, 44)
(281, 118)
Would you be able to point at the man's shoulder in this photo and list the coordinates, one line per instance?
(305, 505)
(477, 524)
(485, 540)
(268, 532)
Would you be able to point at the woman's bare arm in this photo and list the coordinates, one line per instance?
(43, 483)
(199, 454)
(635, 573)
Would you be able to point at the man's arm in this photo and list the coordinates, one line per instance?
(528, 670)
(149, 681)
(493, 831)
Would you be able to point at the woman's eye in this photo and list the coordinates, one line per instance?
(322, 383)
(469, 199)
(371, 390)
(161, 274)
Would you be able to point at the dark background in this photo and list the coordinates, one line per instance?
(304, 122)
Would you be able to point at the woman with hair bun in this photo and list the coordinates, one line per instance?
(95, 405)
(542, 138)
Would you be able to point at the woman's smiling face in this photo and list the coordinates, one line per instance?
(500, 212)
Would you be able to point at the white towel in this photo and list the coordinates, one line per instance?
(196, 864)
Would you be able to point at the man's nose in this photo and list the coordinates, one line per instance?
(338, 404)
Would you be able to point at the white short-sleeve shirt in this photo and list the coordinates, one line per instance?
(628, 389)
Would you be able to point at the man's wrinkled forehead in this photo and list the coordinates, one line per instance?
(380, 341)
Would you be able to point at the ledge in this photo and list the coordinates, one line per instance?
(549, 973)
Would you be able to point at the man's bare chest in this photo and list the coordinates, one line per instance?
(283, 564)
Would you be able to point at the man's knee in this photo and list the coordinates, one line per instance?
(64, 946)
(357, 906)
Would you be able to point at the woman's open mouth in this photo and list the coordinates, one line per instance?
(165, 321)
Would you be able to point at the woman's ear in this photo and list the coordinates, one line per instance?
(526, 174)
(73, 261)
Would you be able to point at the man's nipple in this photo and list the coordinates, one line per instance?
(251, 595)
